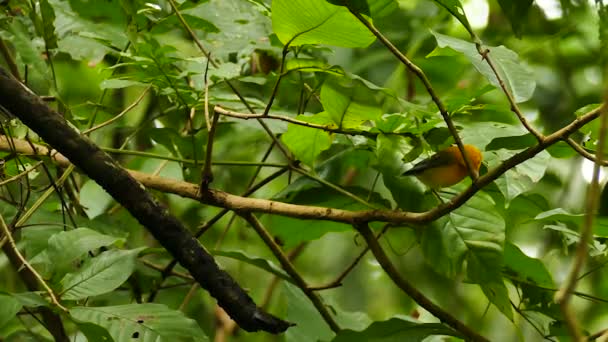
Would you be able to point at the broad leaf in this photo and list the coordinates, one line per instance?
(99, 275)
(144, 322)
(307, 143)
(66, 247)
(9, 307)
(311, 327)
(471, 235)
(298, 22)
(349, 104)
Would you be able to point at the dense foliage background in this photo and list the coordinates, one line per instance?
(318, 104)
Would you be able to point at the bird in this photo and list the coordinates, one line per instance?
(446, 167)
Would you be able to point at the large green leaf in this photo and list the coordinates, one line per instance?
(67, 246)
(349, 104)
(517, 77)
(142, 322)
(311, 327)
(299, 22)
(9, 307)
(472, 235)
(530, 275)
(394, 330)
(291, 231)
(307, 143)
(99, 275)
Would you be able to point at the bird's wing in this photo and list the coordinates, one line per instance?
(441, 158)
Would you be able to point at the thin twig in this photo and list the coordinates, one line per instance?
(485, 54)
(326, 128)
(233, 202)
(290, 269)
(412, 291)
(584, 153)
(230, 85)
(427, 84)
(125, 111)
(11, 242)
(207, 174)
(338, 281)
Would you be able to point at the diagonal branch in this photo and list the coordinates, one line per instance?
(412, 291)
(131, 194)
(427, 84)
(229, 201)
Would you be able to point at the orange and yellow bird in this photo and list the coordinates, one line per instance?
(446, 167)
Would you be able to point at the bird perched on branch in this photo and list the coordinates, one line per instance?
(446, 167)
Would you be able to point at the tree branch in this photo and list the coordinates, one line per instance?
(131, 194)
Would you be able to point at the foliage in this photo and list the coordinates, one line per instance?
(315, 108)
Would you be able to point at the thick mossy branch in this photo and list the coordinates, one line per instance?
(131, 194)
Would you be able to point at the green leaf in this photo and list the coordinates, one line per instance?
(94, 199)
(307, 143)
(9, 307)
(517, 77)
(115, 83)
(532, 277)
(31, 299)
(48, 24)
(455, 9)
(473, 234)
(144, 322)
(600, 223)
(390, 150)
(291, 231)
(503, 141)
(67, 246)
(311, 327)
(396, 329)
(526, 268)
(349, 104)
(484, 268)
(258, 262)
(299, 22)
(94, 332)
(516, 11)
(100, 274)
